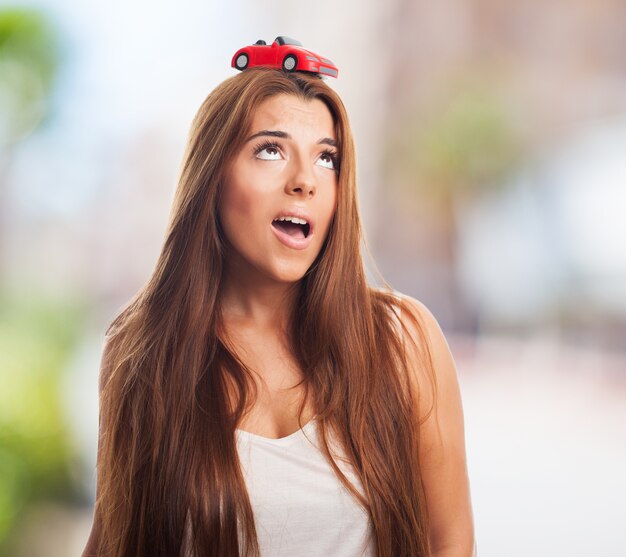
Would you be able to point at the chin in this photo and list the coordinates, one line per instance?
(290, 273)
(290, 277)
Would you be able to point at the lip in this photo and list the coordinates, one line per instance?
(290, 241)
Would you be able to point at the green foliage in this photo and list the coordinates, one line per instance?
(36, 339)
(29, 59)
(467, 144)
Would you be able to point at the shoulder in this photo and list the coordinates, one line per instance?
(443, 466)
(409, 310)
(443, 463)
(418, 322)
(417, 318)
(429, 357)
(422, 326)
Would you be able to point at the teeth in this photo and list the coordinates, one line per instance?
(295, 220)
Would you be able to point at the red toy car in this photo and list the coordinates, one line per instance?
(284, 53)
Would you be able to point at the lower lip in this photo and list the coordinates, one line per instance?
(290, 241)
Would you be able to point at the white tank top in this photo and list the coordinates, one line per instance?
(300, 506)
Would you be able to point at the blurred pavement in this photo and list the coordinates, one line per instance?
(546, 444)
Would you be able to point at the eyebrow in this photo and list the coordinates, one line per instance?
(285, 135)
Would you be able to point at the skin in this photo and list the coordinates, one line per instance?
(442, 444)
(260, 275)
(261, 272)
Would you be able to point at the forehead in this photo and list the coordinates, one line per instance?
(295, 116)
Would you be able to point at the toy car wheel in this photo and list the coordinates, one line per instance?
(289, 63)
(241, 62)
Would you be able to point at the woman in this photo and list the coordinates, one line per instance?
(257, 395)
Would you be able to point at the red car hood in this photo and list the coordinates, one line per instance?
(315, 54)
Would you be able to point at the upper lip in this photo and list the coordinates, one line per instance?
(301, 214)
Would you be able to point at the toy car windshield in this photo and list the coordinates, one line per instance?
(286, 40)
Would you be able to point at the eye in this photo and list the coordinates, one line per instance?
(268, 151)
(328, 159)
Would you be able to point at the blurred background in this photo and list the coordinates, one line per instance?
(491, 143)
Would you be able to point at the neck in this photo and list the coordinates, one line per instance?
(256, 301)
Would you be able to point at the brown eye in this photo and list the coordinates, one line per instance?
(267, 152)
(328, 160)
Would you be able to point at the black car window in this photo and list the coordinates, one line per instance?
(281, 40)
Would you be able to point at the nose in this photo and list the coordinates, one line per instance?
(302, 180)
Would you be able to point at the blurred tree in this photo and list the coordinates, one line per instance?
(29, 60)
(469, 146)
(37, 336)
(454, 149)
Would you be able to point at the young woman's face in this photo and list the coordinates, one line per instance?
(287, 168)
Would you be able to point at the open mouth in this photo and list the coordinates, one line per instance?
(294, 229)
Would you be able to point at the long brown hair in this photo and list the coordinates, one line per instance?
(169, 480)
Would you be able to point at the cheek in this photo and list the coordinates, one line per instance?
(235, 204)
(233, 208)
(238, 204)
(330, 203)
